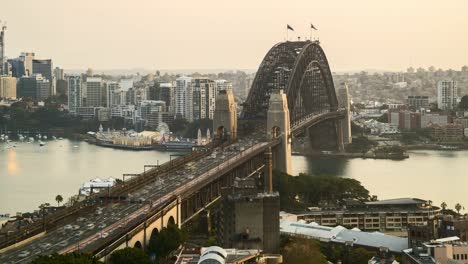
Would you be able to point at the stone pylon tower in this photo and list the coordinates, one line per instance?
(278, 126)
(225, 116)
(343, 102)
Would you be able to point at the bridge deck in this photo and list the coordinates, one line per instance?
(119, 219)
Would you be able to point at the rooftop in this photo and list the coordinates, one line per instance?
(342, 235)
(216, 254)
(398, 201)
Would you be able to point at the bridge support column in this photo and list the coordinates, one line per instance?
(145, 246)
(343, 101)
(278, 126)
(225, 116)
(339, 133)
(179, 212)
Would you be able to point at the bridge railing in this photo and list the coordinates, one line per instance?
(306, 118)
(135, 225)
(51, 220)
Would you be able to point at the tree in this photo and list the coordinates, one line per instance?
(458, 207)
(70, 258)
(444, 206)
(360, 255)
(301, 250)
(312, 190)
(129, 256)
(383, 118)
(463, 103)
(59, 199)
(168, 240)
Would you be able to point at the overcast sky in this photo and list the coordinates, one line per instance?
(214, 34)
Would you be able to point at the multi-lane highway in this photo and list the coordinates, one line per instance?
(112, 219)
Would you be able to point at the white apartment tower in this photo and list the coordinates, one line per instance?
(74, 93)
(181, 101)
(203, 97)
(447, 95)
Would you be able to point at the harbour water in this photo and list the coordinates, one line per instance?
(439, 176)
(31, 175)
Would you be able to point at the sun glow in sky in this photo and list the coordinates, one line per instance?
(214, 34)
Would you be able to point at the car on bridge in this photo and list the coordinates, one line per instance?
(23, 254)
(103, 235)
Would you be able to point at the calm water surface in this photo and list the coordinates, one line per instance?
(31, 175)
(432, 175)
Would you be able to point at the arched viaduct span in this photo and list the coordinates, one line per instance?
(301, 70)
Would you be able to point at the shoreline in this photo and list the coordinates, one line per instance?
(447, 147)
(346, 155)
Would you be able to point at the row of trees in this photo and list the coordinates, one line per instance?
(22, 116)
(458, 208)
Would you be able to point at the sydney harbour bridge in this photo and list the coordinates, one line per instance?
(292, 95)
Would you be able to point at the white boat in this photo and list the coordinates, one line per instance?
(41, 143)
(21, 138)
(31, 139)
(54, 138)
(44, 137)
(60, 138)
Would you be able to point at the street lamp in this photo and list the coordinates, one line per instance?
(43, 207)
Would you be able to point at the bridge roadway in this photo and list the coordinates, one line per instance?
(309, 120)
(114, 220)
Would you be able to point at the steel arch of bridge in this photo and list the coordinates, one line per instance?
(302, 70)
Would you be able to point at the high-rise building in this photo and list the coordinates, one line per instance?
(93, 91)
(2, 51)
(7, 87)
(118, 98)
(180, 103)
(447, 95)
(417, 102)
(59, 74)
(222, 85)
(113, 88)
(34, 86)
(126, 84)
(152, 111)
(134, 96)
(167, 94)
(27, 58)
(204, 98)
(22, 66)
(74, 93)
(45, 68)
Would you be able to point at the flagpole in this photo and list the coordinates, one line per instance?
(310, 31)
(287, 33)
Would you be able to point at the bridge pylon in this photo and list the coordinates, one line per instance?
(225, 116)
(278, 126)
(343, 102)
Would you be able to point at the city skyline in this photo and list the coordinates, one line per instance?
(176, 36)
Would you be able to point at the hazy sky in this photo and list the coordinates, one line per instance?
(174, 34)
